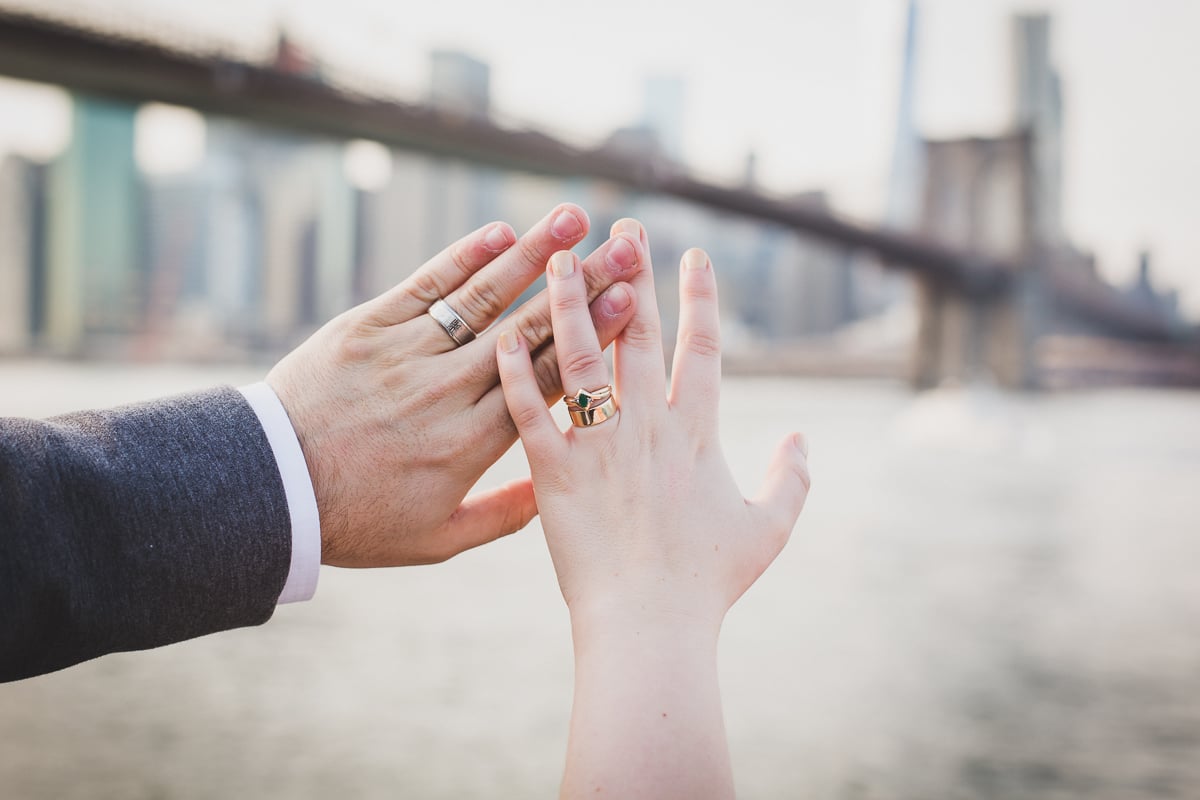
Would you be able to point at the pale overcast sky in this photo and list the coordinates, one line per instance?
(811, 85)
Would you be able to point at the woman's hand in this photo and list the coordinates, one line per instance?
(641, 512)
(397, 422)
(650, 536)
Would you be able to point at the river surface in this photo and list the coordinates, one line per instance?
(988, 596)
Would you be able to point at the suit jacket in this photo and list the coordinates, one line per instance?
(135, 527)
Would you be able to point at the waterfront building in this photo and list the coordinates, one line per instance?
(96, 289)
(460, 84)
(1039, 112)
(21, 266)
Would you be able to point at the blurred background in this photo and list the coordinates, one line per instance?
(957, 244)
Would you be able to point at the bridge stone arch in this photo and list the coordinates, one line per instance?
(980, 197)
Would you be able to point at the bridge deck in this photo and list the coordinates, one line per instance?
(37, 49)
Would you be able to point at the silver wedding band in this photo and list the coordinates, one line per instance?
(453, 324)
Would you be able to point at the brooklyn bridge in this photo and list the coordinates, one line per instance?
(984, 301)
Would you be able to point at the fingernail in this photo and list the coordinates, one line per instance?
(508, 341)
(566, 226)
(562, 264)
(615, 300)
(629, 226)
(801, 442)
(695, 259)
(622, 255)
(498, 238)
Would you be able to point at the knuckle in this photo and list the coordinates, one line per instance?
(493, 427)
(477, 427)
(353, 350)
(649, 435)
(641, 335)
(556, 482)
(429, 393)
(527, 417)
(703, 343)
(531, 253)
(460, 258)
(480, 299)
(700, 290)
(545, 369)
(535, 326)
(571, 303)
(355, 344)
(424, 287)
(582, 362)
(482, 371)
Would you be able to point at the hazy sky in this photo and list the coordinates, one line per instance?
(811, 85)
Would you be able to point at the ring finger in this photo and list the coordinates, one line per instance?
(484, 296)
(580, 359)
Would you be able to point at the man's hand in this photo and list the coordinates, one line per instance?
(397, 422)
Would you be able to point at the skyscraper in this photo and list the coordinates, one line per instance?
(17, 249)
(663, 113)
(1039, 111)
(460, 84)
(908, 151)
(95, 282)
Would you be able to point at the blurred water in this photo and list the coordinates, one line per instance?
(989, 596)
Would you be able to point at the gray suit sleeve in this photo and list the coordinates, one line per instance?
(136, 527)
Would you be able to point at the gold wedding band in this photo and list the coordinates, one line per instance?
(589, 408)
(452, 323)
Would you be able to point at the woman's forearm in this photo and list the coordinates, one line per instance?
(650, 535)
(646, 720)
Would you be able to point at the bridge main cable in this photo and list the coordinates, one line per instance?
(137, 70)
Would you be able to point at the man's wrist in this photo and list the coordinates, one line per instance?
(305, 565)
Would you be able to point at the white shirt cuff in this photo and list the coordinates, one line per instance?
(297, 486)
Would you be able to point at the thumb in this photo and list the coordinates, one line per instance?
(486, 516)
(786, 486)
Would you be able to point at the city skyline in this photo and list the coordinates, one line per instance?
(1142, 198)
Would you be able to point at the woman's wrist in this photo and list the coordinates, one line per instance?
(646, 720)
(614, 620)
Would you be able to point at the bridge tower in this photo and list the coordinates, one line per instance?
(978, 196)
(999, 196)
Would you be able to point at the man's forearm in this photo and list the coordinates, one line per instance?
(136, 527)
